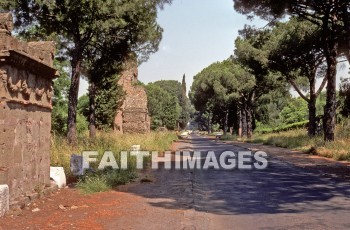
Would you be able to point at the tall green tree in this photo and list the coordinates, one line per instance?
(60, 100)
(252, 56)
(295, 111)
(178, 90)
(184, 103)
(162, 107)
(109, 97)
(214, 89)
(332, 18)
(171, 86)
(141, 37)
(80, 24)
(295, 51)
(269, 106)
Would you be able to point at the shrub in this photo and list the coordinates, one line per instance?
(293, 126)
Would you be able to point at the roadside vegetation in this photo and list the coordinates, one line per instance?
(97, 181)
(298, 139)
(104, 180)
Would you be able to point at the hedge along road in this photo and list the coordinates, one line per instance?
(281, 196)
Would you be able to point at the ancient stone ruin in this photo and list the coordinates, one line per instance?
(133, 114)
(26, 91)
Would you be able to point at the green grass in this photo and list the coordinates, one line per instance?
(297, 125)
(299, 140)
(228, 137)
(93, 184)
(105, 180)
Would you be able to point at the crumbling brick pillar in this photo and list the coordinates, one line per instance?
(132, 117)
(26, 90)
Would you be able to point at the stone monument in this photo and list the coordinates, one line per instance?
(26, 91)
(132, 117)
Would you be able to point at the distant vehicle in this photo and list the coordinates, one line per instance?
(184, 135)
(218, 135)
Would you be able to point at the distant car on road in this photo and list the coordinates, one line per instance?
(218, 135)
(184, 135)
(189, 131)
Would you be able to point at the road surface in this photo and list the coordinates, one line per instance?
(279, 197)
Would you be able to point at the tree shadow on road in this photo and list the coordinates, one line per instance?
(281, 188)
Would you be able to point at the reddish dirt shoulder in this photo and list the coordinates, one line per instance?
(126, 207)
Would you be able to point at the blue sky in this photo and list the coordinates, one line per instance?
(196, 34)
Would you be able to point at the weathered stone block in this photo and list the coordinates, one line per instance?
(58, 175)
(136, 127)
(133, 114)
(4, 199)
(26, 90)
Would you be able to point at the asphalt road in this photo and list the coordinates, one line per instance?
(278, 197)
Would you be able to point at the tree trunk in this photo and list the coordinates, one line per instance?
(73, 99)
(249, 114)
(312, 106)
(92, 106)
(331, 103)
(312, 116)
(225, 122)
(244, 119)
(240, 123)
(209, 123)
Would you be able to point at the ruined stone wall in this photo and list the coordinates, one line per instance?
(133, 114)
(26, 74)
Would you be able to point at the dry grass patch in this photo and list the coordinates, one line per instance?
(61, 152)
(299, 140)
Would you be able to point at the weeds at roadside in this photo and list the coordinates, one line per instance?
(105, 180)
(299, 140)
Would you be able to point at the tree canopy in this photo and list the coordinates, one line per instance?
(218, 88)
(86, 28)
(178, 90)
(163, 107)
(295, 51)
(331, 18)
